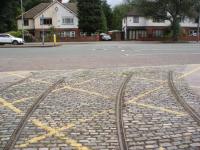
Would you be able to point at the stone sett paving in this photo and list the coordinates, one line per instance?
(80, 113)
(150, 127)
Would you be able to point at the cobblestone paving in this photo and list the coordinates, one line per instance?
(157, 121)
(80, 113)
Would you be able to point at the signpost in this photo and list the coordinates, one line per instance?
(42, 21)
(22, 10)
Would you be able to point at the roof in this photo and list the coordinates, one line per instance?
(133, 13)
(40, 7)
(72, 6)
(35, 10)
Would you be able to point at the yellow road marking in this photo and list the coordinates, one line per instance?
(73, 143)
(148, 79)
(81, 90)
(22, 100)
(56, 132)
(189, 73)
(144, 94)
(17, 75)
(10, 106)
(86, 81)
(34, 80)
(158, 88)
(51, 131)
(161, 148)
(160, 109)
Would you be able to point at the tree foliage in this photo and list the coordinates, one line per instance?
(119, 12)
(89, 14)
(172, 10)
(103, 26)
(107, 13)
(9, 9)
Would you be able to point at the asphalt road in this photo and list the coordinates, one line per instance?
(98, 55)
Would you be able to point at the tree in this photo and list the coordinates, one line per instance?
(104, 27)
(89, 14)
(172, 10)
(107, 12)
(9, 9)
(119, 12)
(72, 1)
(28, 4)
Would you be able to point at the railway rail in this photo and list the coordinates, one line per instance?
(181, 100)
(15, 135)
(15, 83)
(119, 110)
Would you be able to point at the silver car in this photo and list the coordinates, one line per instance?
(9, 39)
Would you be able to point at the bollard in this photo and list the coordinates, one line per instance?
(54, 39)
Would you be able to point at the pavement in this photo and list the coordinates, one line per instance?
(80, 113)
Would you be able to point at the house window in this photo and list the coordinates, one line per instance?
(135, 19)
(46, 21)
(68, 20)
(158, 33)
(158, 20)
(26, 22)
(70, 34)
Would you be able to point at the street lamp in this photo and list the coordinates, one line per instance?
(198, 30)
(22, 19)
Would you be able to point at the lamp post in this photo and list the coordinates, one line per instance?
(22, 11)
(198, 30)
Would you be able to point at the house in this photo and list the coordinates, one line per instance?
(137, 27)
(56, 16)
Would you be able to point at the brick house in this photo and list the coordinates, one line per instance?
(137, 27)
(57, 16)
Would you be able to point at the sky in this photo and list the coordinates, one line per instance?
(111, 2)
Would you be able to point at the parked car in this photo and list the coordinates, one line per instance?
(9, 39)
(105, 37)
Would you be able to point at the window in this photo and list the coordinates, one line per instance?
(158, 33)
(26, 22)
(135, 19)
(158, 20)
(4, 35)
(46, 21)
(70, 34)
(67, 20)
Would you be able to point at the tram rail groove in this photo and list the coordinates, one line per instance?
(17, 132)
(119, 110)
(15, 83)
(179, 98)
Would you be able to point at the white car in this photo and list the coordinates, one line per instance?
(9, 39)
(105, 37)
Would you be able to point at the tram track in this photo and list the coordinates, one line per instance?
(181, 100)
(15, 83)
(17, 132)
(119, 113)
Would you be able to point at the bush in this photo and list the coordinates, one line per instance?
(15, 33)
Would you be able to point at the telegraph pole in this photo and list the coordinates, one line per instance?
(22, 10)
